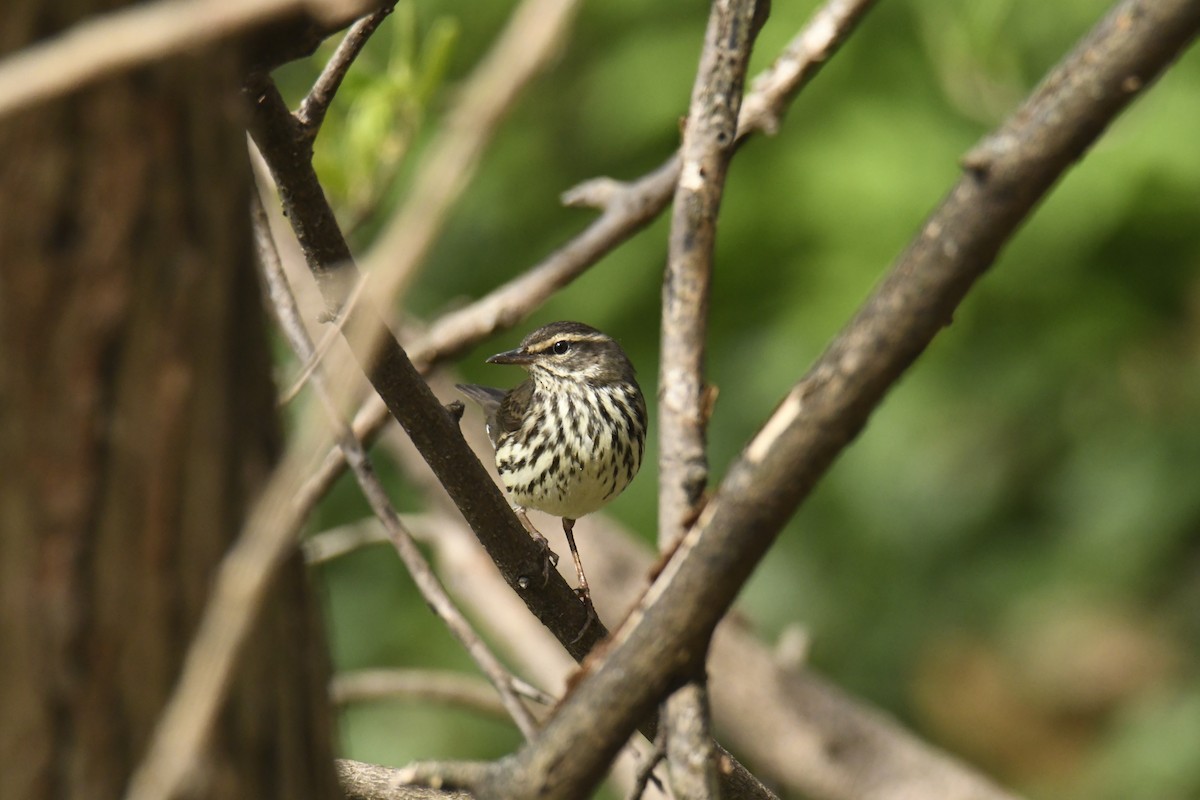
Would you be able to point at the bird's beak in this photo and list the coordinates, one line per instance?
(518, 356)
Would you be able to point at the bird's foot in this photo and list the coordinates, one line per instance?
(585, 597)
(549, 557)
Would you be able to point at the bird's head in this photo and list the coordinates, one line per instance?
(570, 351)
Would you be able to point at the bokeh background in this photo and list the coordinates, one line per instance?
(1008, 558)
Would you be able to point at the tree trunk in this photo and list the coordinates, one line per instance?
(136, 421)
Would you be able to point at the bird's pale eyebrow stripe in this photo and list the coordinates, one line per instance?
(546, 344)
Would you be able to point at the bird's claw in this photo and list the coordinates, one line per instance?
(549, 557)
(585, 597)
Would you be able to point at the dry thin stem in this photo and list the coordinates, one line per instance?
(106, 44)
(316, 103)
(773, 90)
(524, 47)
(1008, 175)
(426, 686)
(372, 685)
(344, 539)
(423, 576)
(645, 772)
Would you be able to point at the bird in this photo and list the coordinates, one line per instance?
(571, 437)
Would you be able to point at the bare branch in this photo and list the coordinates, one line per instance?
(337, 542)
(663, 636)
(119, 40)
(374, 685)
(369, 782)
(422, 574)
(316, 103)
(690, 750)
(707, 147)
(708, 144)
(774, 89)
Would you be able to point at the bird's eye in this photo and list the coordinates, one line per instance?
(561, 347)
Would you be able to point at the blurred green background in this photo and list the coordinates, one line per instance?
(1008, 559)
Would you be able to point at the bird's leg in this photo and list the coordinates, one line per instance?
(549, 557)
(583, 592)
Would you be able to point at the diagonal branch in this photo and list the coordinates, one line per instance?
(1008, 174)
(316, 103)
(430, 587)
(120, 40)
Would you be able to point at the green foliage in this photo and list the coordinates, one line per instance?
(380, 109)
(1044, 454)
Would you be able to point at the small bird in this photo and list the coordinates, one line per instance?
(571, 438)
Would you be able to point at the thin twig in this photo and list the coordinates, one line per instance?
(119, 40)
(315, 104)
(369, 685)
(427, 686)
(1011, 172)
(773, 90)
(705, 153)
(423, 576)
(645, 772)
(344, 539)
(328, 338)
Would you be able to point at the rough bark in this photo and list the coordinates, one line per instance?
(135, 421)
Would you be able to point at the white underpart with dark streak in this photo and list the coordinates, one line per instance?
(592, 468)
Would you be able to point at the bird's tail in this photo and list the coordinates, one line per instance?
(487, 397)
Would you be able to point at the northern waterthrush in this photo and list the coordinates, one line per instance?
(571, 438)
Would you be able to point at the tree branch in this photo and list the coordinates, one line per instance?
(316, 103)
(774, 89)
(1008, 174)
(119, 40)
(708, 144)
(429, 686)
(422, 574)
(370, 782)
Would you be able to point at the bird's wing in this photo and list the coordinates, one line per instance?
(513, 408)
(492, 401)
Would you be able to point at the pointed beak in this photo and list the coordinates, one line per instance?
(518, 356)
